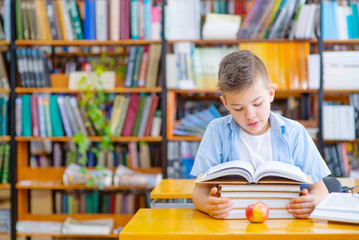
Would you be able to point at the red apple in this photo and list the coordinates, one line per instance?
(257, 212)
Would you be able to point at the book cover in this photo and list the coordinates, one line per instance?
(26, 115)
(139, 114)
(64, 116)
(75, 19)
(89, 21)
(131, 115)
(56, 124)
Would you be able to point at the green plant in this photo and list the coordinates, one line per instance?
(92, 99)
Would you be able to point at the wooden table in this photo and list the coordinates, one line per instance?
(190, 224)
(173, 193)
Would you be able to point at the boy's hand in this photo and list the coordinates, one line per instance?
(217, 207)
(303, 206)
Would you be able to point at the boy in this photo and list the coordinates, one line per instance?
(252, 133)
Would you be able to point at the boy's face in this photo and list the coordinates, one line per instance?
(251, 107)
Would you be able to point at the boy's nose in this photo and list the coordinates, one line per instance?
(250, 114)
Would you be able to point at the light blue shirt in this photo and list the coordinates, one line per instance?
(290, 144)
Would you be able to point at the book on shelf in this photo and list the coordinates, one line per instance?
(244, 171)
(221, 26)
(102, 226)
(342, 207)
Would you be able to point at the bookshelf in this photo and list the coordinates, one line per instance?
(170, 99)
(298, 93)
(48, 180)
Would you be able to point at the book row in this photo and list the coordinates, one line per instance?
(272, 19)
(340, 20)
(5, 221)
(89, 19)
(133, 155)
(196, 124)
(5, 19)
(341, 120)
(87, 201)
(46, 115)
(143, 66)
(225, 6)
(4, 162)
(4, 79)
(267, 19)
(33, 67)
(4, 102)
(137, 66)
(180, 158)
(342, 159)
(190, 67)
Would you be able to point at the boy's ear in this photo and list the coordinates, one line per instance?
(224, 102)
(271, 92)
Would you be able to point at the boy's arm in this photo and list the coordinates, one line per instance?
(303, 206)
(205, 198)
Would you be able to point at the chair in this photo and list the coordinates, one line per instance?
(332, 184)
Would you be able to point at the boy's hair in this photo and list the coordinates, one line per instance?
(239, 71)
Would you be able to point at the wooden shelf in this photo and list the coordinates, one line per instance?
(184, 138)
(5, 186)
(52, 176)
(5, 138)
(84, 43)
(4, 43)
(92, 139)
(67, 235)
(342, 42)
(287, 92)
(66, 90)
(341, 91)
(340, 141)
(119, 220)
(2, 90)
(237, 41)
(59, 186)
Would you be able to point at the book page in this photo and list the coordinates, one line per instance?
(279, 169)
(235, 168)
(340, 202)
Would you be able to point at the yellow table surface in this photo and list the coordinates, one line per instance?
(173, 188)
(157, 224)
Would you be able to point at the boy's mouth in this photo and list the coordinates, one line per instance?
(253, 124)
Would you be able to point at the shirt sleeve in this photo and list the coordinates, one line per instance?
(210, 150)
(307, 157)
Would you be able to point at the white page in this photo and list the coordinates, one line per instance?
(280, 169)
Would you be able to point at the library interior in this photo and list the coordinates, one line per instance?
(119, 94)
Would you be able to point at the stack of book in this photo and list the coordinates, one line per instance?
(273, 183)
(275, 196)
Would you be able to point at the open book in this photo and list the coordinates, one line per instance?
(343, 207)
(269, 172)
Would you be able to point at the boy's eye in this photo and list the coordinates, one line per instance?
(258, 104)
(238, 109)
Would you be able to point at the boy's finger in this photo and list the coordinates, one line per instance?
(213, 191)
(300, 211)
(217, 200)
(300, 205)
(221, 210)
(305, 198)
(304, 192)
